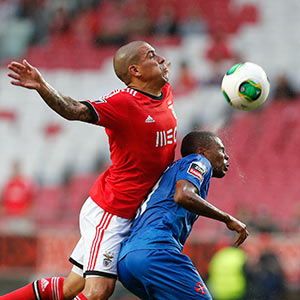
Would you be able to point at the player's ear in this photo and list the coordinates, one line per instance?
(206, 153)
(201, 150)
(134, 71)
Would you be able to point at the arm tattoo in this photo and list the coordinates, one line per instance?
(67, 107)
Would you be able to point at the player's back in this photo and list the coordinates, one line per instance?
(161, 223)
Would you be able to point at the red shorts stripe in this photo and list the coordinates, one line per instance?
(99, 243)
(98, 228)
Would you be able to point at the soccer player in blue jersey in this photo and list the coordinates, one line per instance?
(151, 264)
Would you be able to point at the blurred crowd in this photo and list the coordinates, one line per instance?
(106, 22)
(233, 276)
(100, 23)
(27, 23)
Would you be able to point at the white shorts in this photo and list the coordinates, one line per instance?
(97, 251)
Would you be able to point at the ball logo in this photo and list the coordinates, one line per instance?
(250, 90)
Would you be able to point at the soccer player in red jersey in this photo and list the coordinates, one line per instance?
(18, 193)
(141, 126)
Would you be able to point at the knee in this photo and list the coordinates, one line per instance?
(72, 286)
(99, 291)
(102, 293)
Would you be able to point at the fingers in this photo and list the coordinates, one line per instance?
(16, 67)
(240, 228)
(27, 64)
(18, 83)
(241, 238)
(14, 76)
(18, 71)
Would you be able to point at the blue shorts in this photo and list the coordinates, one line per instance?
(161, 275)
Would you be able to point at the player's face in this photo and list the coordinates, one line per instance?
(218, 158)
(152, 67)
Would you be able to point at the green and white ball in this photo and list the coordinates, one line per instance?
(245, 86)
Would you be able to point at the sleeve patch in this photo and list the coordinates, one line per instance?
(197, 170)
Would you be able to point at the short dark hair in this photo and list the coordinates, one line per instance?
(196, 139)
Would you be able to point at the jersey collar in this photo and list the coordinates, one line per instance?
(151, 96)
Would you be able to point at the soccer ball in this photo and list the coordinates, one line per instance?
(245, 86)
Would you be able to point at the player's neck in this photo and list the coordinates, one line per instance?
(147, 90)
(160, 97)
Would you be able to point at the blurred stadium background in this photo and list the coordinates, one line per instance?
(72, 43)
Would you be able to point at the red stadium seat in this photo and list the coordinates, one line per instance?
(48, 205)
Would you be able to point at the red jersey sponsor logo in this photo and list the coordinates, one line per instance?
(166, 137)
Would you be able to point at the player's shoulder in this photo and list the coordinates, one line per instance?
(129, 92)
(198, 162)
(195, 166)
(117, 94)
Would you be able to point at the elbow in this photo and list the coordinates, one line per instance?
(69, 117)
(72, 119)
(176, 198)
(180, 197)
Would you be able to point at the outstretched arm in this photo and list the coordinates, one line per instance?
(186, 195)
(25, 75)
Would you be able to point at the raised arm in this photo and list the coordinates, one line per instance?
(186, 195)
(27, 76)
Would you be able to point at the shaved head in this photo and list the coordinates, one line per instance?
(125, 56)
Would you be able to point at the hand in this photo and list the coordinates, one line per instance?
(25, 75)
(240, 228)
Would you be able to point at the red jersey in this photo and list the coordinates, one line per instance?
(142, 137)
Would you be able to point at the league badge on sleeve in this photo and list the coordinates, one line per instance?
(197, 169)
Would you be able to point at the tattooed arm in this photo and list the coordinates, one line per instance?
(65, 106)
(29, 77)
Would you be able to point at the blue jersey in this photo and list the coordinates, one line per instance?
(160, 222)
